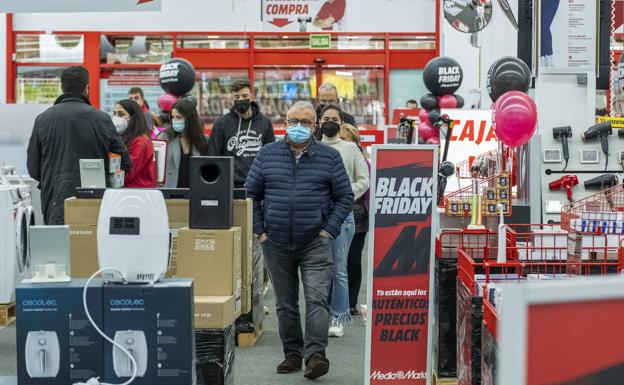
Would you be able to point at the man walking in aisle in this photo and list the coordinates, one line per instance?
(242, 132)
(65, 133)
(301, 195)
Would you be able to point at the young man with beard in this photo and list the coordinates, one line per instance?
(241, 133)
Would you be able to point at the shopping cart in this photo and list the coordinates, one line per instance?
(486, 162)
(494, 192)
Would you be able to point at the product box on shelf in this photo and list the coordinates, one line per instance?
(156, 323)
(56, 344)
(243, 218)
(213, 259)
(215, 356)
(215, 312)
(250, 321)
(114, 162)
(116, 179)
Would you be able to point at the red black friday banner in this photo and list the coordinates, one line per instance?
(402, 202)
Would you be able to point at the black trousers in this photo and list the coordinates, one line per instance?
(354, 267)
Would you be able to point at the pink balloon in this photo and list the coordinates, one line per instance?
(423, 115)
(426, 130)
(447, 101)
(514, 118)
(166, 102)
(433, 140)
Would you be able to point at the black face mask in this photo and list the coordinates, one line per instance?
(330, 129)
(242, 106)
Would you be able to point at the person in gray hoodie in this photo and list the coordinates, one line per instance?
(241, 132)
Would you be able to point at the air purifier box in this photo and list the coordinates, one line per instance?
(155, 323)
(56, 344)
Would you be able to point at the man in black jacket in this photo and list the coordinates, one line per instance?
(65, 133)
(328, 94)
(301, 195)
(241, 133)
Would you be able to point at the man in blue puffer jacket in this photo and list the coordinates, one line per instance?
(301, 195)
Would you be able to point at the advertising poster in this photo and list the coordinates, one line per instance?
(80, 6)
(585, 351)
(402, 201)
(304, 15)
(567, 35)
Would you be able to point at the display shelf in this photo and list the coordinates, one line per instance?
(494, 191)
(7, 313)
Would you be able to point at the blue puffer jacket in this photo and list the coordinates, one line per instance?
(294, 202)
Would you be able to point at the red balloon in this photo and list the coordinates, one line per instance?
(447, 101)
(166, 101)
(433, 140)
(514, 118)
(423, 115)
(426, 130)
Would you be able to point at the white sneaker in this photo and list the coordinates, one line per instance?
(336, 331)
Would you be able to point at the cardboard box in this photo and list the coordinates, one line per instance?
(243, 218)
(83, 248)
(53, 313)
(245, 299)
(216, 312)
(82, 211)
(161, 316)
(178, 212)
(213, 259)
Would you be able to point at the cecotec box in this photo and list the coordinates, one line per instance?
(213, 259)
(155, 322)
(56, 344)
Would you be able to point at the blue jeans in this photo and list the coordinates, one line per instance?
(340, 292)
(549, 11)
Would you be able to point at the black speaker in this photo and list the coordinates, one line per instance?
(211, 192)
(604, 46)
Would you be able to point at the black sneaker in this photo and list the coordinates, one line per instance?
(354, 311)
(317, 366)
(291, 364)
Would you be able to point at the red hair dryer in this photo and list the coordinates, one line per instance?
(566, 182)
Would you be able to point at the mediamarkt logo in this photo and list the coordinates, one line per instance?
(400, 375)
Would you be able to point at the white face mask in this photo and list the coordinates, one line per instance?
(120, 123)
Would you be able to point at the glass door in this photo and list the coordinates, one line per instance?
(278, 88)
(362, 92)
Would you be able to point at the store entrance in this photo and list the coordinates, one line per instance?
(361, 90)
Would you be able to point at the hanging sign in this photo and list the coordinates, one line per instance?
(304, 15)
(14, 6)
(402, 202)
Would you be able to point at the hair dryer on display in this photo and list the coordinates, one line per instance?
(563, 133)
(447, 169)
(565, 183)
(602, 130)
(601, 182)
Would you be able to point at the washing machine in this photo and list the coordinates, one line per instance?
(16, 217)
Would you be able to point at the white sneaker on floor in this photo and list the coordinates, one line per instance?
(336, 331)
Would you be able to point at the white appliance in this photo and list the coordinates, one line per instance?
(50, 259)
(135, 343)
(133, 235)
(43, 355)
(16, 217)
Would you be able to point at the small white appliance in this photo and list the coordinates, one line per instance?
(43, 355)
(133, 235)
(135, 343)
(50, 258)
(16, 217)
(92, 173)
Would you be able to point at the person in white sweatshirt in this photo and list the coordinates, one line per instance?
(330, 122)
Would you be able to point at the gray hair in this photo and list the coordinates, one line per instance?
(328, 87)
(301, 105)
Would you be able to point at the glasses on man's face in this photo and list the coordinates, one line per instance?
(304, 122)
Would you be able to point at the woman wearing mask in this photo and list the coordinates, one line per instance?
(186, 139)
(331, 120)
(130, 123)
(348, 133)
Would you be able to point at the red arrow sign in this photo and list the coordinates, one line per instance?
(280, 23)
(144, 1)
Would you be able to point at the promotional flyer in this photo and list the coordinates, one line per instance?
(567, 31)
(402, 202)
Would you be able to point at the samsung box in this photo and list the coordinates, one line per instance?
(216, 312)
(56, 344)
(155, 322)
(213, 259)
